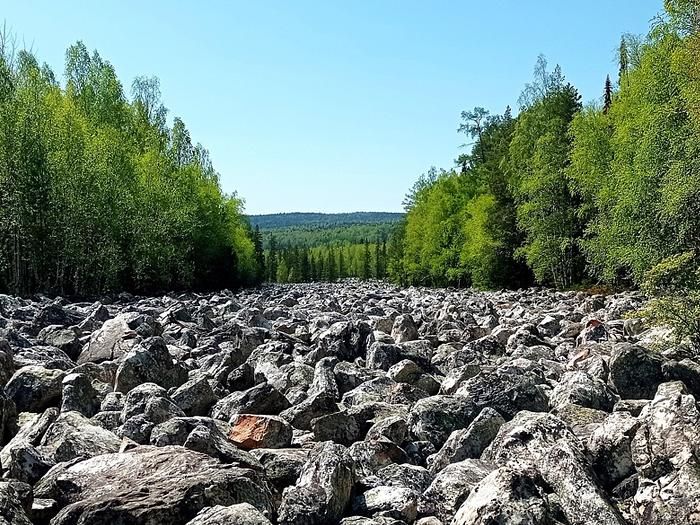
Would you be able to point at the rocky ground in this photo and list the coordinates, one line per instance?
(353, 403)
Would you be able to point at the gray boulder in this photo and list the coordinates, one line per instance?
(34, 388)
(243, 513)
(177, 484)
(323, 489)
(635, 371)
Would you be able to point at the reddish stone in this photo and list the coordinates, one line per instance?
(250, 431)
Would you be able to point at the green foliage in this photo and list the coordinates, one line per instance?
(602, 193)
(326, 263)
(674, 288)
(546, 208)
(98, 194)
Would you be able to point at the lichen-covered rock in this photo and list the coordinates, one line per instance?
(34, 388)
(545, 442)
(404, 329)
(665, 451)
(79, 395)
(610, 447)
(72, 435)
(148, 485)
(392, 502)
(635, 371)
(510, 495)
(451, 487)
(150, 363)
(323, 489)
(435, 418)
(195, 397)
(583, 390)
(261, 399)
(470, 442)
(243, 513)
(111, 342)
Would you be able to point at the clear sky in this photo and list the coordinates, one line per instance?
(333, 105)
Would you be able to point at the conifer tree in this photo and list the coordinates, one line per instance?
(607, 103)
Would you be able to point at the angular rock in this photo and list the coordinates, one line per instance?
(468, 443)
(451, 487)
(250, 431)
(583, 390)
(34, 388)
(545, 442)
(195, 397)
(261, 399)
(79, 395)
(176, 484)
(151, 363)
(511, 495)
(635, 371)
(435, 418)
(243, 513)
(73, 435)
(404, 329)
(392, 502)
(323, 489)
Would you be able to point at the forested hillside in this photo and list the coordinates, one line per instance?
(273, 221)
(290, 230)
(302, 247)
(98, 193)
(567, 193)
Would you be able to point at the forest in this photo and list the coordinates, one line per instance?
(98, 194)
(568, 194)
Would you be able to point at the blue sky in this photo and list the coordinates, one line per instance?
(332, 105)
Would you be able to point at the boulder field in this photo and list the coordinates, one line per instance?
(354, 403)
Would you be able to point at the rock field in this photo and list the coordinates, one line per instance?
(354, 403)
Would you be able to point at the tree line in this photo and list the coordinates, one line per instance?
(326, 262)
(98, 193)
(564, 193)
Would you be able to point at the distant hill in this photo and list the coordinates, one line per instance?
(321, 220)
(325, 229)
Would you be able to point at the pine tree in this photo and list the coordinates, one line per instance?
(341, 264)
(272, 260)
(607, 104)
(366, 262)
(259, 255)
(377, 261)
(332, 269)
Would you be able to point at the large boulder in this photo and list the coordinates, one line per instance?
(545, 442)
(34, 388)
(261, 399)
(665, 452)
(435, 418)
(150, 363)
(243, 513)
(404, 329)
(254, 431)
(510, 495)
(508, 390)
(109, 343)
(583, 390)
(323, 489)
(73, 435)
(635, 371)
(195, 397)
(470, 442)
(175, 485)
(451, 487)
